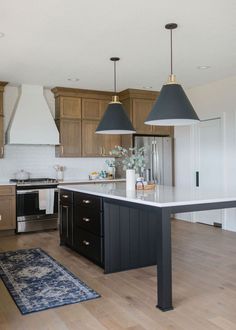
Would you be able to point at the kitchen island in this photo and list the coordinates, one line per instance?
(133, 227)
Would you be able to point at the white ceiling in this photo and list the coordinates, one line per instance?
(48, 41)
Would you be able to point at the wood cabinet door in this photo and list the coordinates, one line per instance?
(70, 138)
(103, 106)
(7, 212)
(93, 108)
(68, 107)
(162, 130)
(141, 109)
(92, 142)
(1, 137)
(66, 224)
(109, 143)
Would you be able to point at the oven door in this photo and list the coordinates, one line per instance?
(37, 209)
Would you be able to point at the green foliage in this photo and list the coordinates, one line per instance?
(132, 158)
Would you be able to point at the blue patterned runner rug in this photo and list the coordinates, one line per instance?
(37, 282)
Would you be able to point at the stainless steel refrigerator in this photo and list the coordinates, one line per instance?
(158, 153)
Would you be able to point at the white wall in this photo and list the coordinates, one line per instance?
(217, 99)
(39, 160)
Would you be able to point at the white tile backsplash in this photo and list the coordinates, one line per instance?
(39, 161)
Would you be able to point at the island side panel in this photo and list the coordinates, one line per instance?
(130, 239)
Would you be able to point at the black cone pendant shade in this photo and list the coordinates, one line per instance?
(172, 107)
(115, 120)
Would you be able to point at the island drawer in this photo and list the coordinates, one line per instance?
(91, 221)
(88, 202)
(90, 245)
(66, 197)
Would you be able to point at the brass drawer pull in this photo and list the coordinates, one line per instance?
(65, 196)
(86, 243)
(86, 201)
(86, 219)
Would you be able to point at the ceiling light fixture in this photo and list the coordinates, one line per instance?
(147, 87)
(2, 34)
(115, 120)
(172, 106)
(73, 79)
(203, 67)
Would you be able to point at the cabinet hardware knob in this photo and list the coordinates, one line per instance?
(86, 201)
(86, 243)
(86, 219)
(65, 196)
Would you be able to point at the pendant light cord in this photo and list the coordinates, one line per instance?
(171, 53)
(115, 77)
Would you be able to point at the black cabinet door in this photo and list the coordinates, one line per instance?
(66, 225)
(90, 245)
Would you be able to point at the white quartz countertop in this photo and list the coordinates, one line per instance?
(81, 181)
(7, 183)
(162, 196)
(71, 181)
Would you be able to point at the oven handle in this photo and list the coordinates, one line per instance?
(22, 192)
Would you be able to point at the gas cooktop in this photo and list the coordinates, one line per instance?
(34, 181)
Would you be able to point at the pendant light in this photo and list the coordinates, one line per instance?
(172, 106)
(115, 120)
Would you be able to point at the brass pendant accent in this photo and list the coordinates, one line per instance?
(115, 99)
(171, 79)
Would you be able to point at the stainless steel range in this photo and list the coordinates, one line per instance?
(36, 204)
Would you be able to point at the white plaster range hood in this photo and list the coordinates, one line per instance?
(32, 121)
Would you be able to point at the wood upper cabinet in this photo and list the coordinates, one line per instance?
(110, 141)
(7, 207)
(93, 109)
(70, 138)
(163, 130)
(92, 142)
(78, 113)
(141, 109)
(2, 85)
(68, 107)
(97, 145)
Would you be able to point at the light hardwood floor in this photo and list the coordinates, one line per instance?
(204, 287)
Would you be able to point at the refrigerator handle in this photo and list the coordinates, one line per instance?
(152, 161)
(155, 167)
(158, 172)
(197, 179)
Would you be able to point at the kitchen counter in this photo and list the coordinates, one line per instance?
(72, 181)
(85, 181)
(126, 212)
(7, 183)
(161, 196)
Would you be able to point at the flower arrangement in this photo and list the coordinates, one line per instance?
(132, 158)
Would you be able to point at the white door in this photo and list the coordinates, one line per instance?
(209, 157)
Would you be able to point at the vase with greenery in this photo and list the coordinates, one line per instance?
(133, 162)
